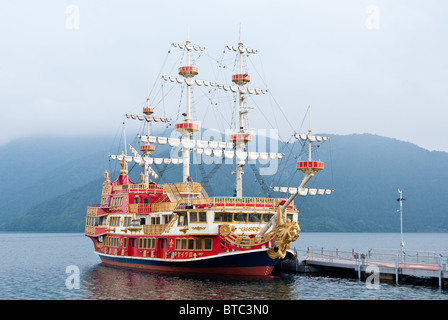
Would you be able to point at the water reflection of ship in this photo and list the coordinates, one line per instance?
(103, 282)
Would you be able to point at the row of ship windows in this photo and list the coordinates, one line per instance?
(181, 244)
(194, 244)
(115, 202)
(150, 243)
(227, 217)
(192, 217)
(118, 201)
(114, 242)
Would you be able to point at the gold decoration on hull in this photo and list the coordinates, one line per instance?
(227, 232)
(285, 233)
(226, 229)
(106, 183)
(123, 170)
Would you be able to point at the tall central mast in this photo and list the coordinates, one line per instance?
(187, 127)
(241, 136)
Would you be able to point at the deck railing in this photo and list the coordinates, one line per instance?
(238, 202)
(210, 202)
(140, 188)
(379, 256)
(154, 228)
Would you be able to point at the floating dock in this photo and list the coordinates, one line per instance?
(388, 264)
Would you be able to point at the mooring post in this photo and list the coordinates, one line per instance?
(396, 270)
(440, 272)
(359, 266)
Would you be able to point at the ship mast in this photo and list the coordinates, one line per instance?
(147, 148)
(187, 127)
(309, 168)
(241, 136)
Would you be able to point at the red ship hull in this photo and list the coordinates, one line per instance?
(249, 263)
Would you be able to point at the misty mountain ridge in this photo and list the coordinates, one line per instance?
(49, 182)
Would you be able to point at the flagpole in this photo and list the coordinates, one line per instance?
(401, 199)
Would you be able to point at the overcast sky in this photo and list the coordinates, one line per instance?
(74, 67)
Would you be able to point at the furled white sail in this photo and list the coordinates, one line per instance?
(198, 82)
(190, 143)
(309, 137)
(241, 155)
(147, 118)
(141, 160)
(188, 46)
(303, 191)
(241, 49)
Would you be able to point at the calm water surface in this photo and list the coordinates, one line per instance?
(33, 266)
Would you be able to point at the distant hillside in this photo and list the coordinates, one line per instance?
(36, 169)
(365, 170)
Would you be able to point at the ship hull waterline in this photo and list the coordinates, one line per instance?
(246, 263)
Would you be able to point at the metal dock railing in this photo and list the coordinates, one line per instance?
(388, 263)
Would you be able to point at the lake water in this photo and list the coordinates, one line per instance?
(35, 266)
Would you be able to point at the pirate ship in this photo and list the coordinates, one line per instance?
(177, 226)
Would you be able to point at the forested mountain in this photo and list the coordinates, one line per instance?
(47, 186)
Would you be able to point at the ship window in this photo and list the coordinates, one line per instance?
(267, 217)
(145, 243)
(207, 244)
(135, 200)
(198, 244)
(190, 244)
(183, 219)
(103, 221)
(145, 200)
(240, 217)
(194, 244)
(168, 218)
(254, 217)
(223, 217)
(126, 221)
(198, 217)
(289, 216)
(155, 220)
(125, 243)
(117, 201)
(111, 241)
(163, 243)
(114, 221)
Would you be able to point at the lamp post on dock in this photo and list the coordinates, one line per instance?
(401, 199)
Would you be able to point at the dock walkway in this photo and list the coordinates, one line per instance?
(390, 264)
